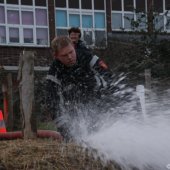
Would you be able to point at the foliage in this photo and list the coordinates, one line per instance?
(144, 50)
(134, 57)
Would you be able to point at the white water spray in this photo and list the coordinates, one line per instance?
(140, 90)
(128, 139)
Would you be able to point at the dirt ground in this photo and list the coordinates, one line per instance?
(48, 154)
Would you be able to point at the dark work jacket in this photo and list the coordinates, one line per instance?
(77, 84)
(81, 45)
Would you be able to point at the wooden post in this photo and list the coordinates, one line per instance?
(51, 19)
(150, 17)
(10, 119)
(148, 79)
(26, 90)
(108, 15)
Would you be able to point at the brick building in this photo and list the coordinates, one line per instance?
(33, 24)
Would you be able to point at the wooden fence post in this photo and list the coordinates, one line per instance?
(26, 90)
(10, 119)
(148, 79)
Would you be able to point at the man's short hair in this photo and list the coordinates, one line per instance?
(60, 42)
(76, 30)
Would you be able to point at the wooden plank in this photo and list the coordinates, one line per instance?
(26, 90)
(10, 119)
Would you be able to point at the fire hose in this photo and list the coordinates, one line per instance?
(40, 134)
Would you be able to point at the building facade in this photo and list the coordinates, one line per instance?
(32, 24)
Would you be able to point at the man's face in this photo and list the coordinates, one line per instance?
(67, 55)
(74, 36)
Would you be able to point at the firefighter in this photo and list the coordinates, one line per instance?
(73, 77)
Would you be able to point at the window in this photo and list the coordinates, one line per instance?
(88, 15)
(13, 17)
(125, 11)
(40, 3)
(140, 6)
(22, 23)
(116, 5)
(74, 20)
(28, 35)
(128, 19)
(73, 3)
(42, 36)
(2, 1)
(2, 14)
(99, 20)
(167, 4)
(60, 3)
(14, 35)
(141, 19)
(2, 35)
(12, 1)
(86, 4)
(159, 23)
(99, 4)
(41, 13)
(27, 18)
(61, 18)
(24, 2)
(128, 5)
(87, 21)
(88, 37)
(116, 21)
(158, 5)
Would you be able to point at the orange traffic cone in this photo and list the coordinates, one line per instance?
(2, 123)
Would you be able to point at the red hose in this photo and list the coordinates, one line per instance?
(40, 134)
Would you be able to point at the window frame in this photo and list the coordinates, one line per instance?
(82, 12)
(21, 27)
(135, 16)
(165, 17)
(23, 34)
(123, 13)
(165, 29)
(89, 15)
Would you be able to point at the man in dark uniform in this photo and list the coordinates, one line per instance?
(75, 35)
(74, 77)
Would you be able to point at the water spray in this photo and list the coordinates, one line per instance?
(140, 91)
